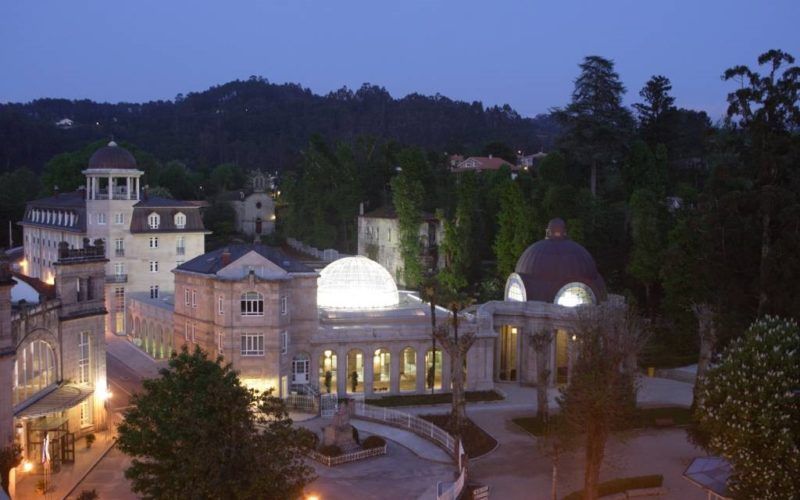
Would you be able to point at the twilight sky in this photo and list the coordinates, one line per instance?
(521, 52)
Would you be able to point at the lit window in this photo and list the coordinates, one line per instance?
(180, 220)
(153, 266)
(575, 294)
(154, 242)
(252, 304)
(86, 413)
(153, 291)
(153, 221)
(252, 344)
(284, 305)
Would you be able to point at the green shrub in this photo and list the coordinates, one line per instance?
(373, 442)
(309, 438)
(621, 485)
(331, 450)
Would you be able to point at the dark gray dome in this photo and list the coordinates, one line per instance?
(112, 156)
(549, 264)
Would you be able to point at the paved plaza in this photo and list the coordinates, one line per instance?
(413, 466)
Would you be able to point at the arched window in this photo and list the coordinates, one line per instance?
(35, 369)
(433, 376)
(252, 304)
(575, 294)
(327, 370)
(381, 370)
(180, 220)
(153, 221)
(515, 288)
(408, 370)
(355, 371)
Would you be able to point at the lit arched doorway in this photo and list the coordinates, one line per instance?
(327, 371)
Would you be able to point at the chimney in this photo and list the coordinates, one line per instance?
(225, 259)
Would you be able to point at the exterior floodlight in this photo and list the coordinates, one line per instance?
(356, 283)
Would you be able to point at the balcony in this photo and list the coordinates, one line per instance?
(116, 278)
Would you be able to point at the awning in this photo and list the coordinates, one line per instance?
(710, 474)
(59, 399)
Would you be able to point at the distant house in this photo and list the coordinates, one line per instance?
(65, 123)
(379, 239)
(483, 163)
(529, 162)
(254, 206)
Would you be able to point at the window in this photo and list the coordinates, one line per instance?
(186, 331)
(252, 344)
(194, 333)
(119, 268)
(153, 291)
(180, 245)
(153, 266)
(180, 220)
(220, 339)
(83, 358)
(194, 298)
(119, 218)
(153, 221)
(284, 305)
(119, 298)
(101, 218)
(284, 342)
(154, 242)
(220, 305)
(252, 304)
(186, 300)
(86, 413)
(119, 247)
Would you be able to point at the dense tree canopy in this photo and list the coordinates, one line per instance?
(192, 433)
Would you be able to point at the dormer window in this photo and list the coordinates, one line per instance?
(153, 221)
(180, 220)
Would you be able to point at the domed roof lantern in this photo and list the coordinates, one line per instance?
(554, 268)
(112, 156)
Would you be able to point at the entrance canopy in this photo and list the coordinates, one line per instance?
(59, 399)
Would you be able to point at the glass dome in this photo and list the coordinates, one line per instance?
(356, 283)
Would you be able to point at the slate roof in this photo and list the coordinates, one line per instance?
(112, 157)
(73, 203)
(166, 209)
(211, 262)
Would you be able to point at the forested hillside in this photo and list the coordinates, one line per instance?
(257, 124)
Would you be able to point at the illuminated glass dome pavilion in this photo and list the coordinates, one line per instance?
(356, 283)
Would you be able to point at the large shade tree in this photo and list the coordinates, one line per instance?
(750, 409)
(193, 433)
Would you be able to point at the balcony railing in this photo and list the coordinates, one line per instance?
(116, 278)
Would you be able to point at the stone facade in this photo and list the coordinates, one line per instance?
(379, 239)
(114, 208)
(54, 359)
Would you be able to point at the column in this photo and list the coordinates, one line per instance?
(110, 191)
(341, 372)
(422, 369)
(368, 370)
(128, 183)
(394, 371)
